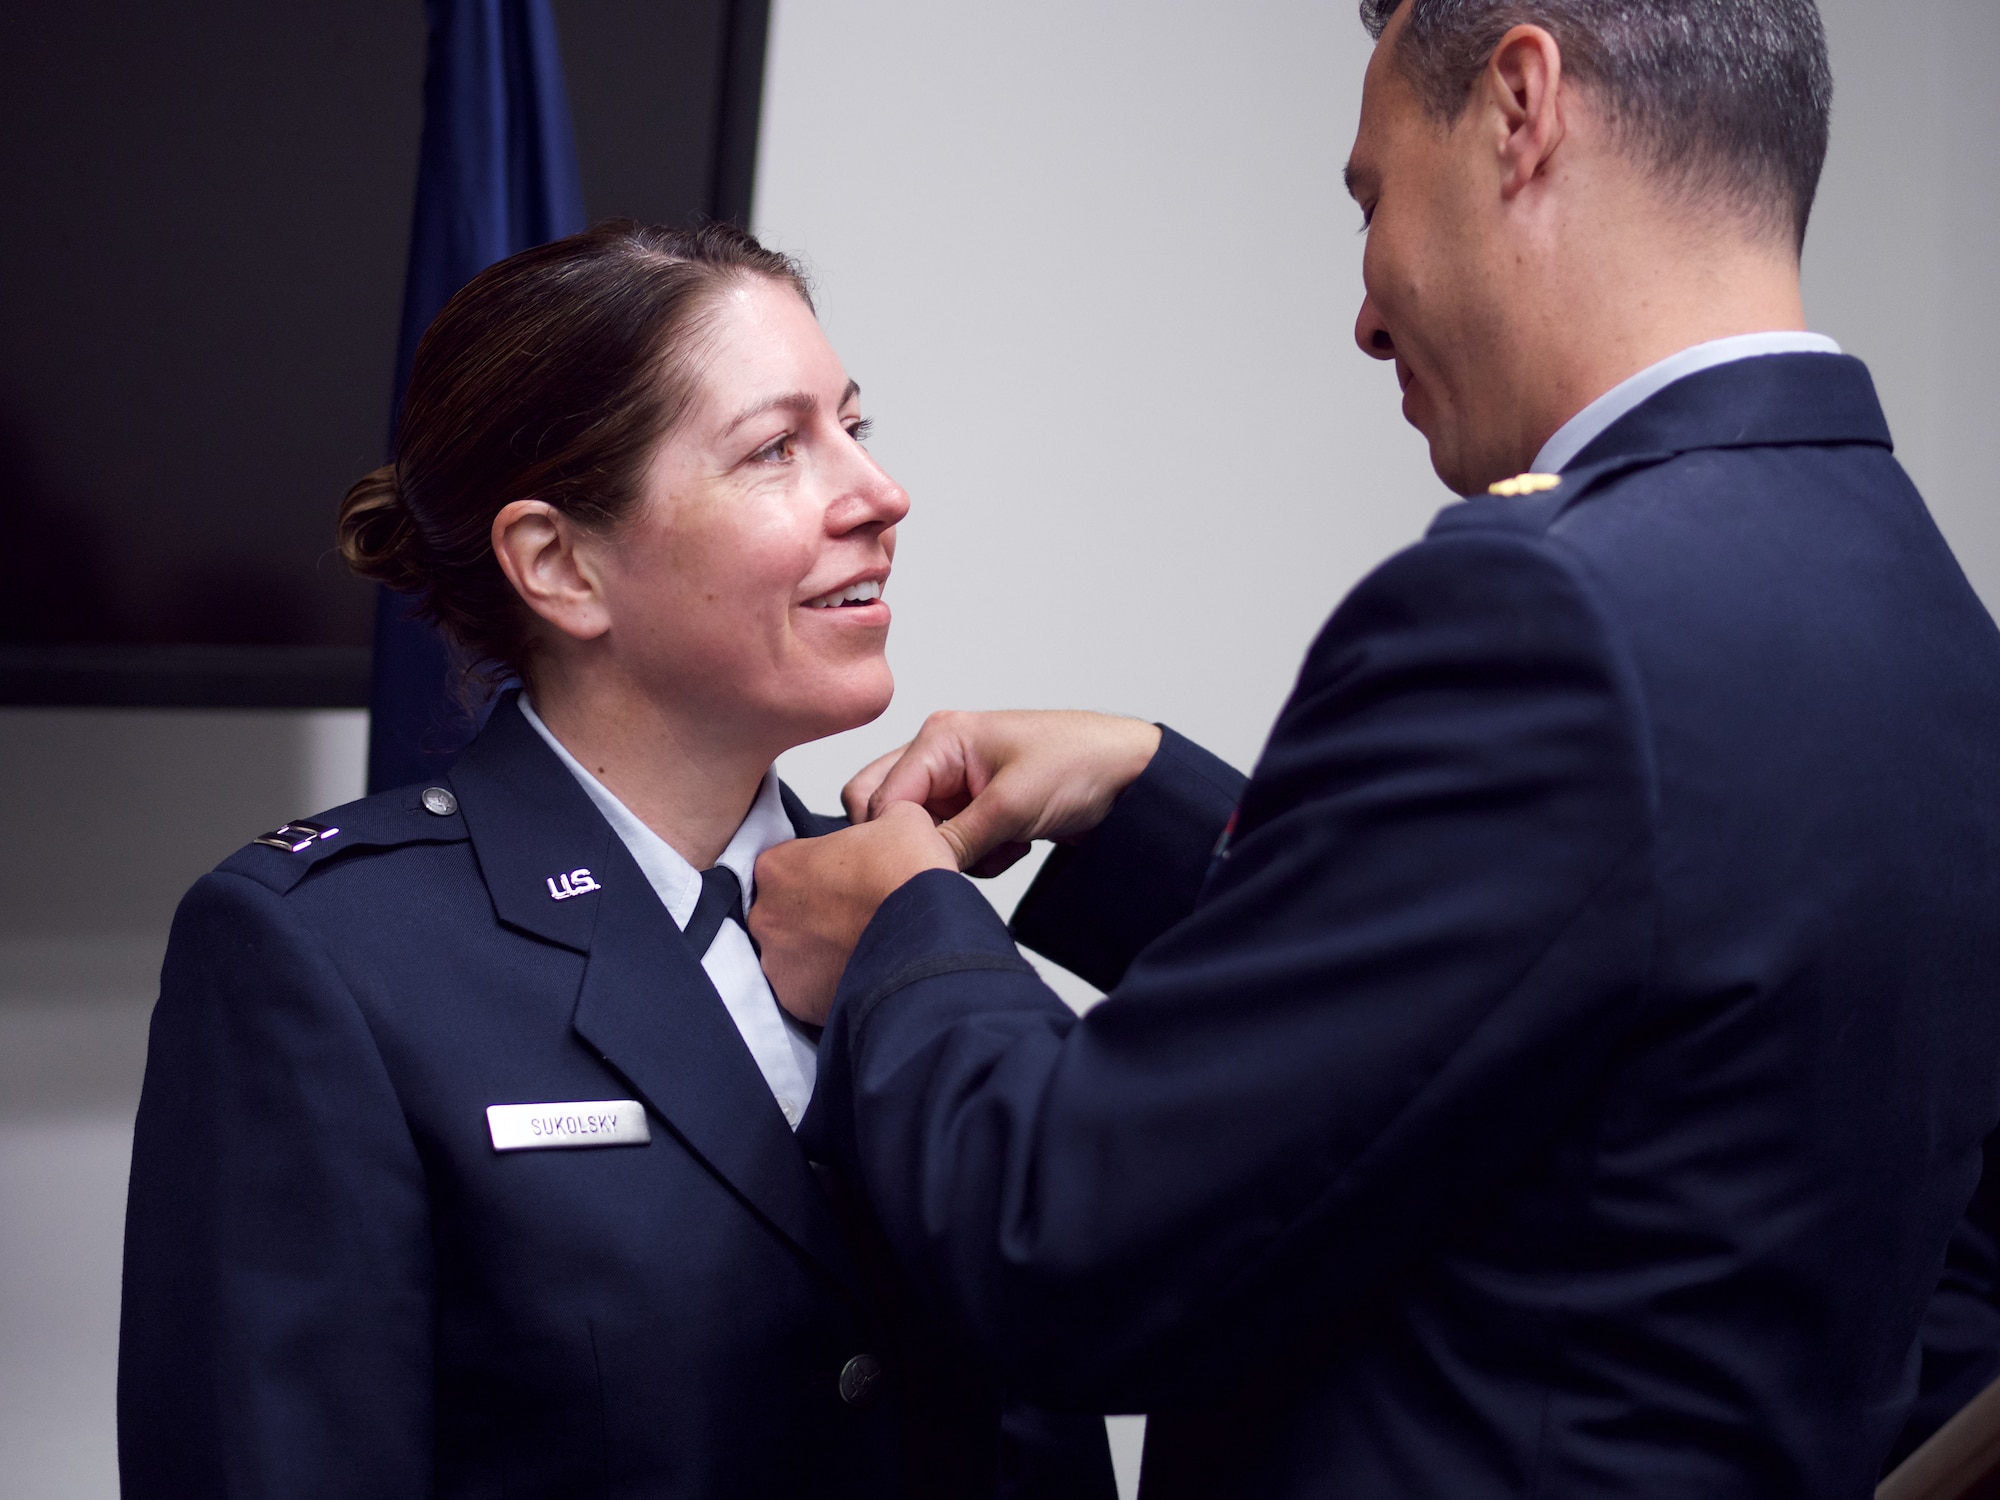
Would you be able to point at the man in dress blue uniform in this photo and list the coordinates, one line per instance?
(1559, 1068)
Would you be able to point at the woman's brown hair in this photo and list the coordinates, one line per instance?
(550, 376)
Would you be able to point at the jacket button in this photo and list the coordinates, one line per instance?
(439, 800)
(861, 1380)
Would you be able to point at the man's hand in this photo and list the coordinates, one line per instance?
(1002, 780)
(814, 897)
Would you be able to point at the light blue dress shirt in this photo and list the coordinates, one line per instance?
(1581, 430)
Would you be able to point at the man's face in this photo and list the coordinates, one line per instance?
(1434, 272)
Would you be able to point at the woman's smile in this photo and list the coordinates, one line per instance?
(859, 594)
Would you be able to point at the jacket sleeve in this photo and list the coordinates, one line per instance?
(1094, 904)
(1960, 1340)
(275, 1337)
(1432, 923)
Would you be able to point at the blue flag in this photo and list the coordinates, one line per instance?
(497, 174)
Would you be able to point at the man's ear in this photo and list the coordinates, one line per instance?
(540, 550)
(1523, 85)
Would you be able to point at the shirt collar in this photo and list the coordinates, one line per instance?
(1582, 429)
(677, 882)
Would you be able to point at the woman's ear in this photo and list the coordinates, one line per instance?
(540, 550)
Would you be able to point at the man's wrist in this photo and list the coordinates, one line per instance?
(1145, 744)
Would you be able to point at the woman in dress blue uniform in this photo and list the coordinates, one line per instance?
(466, 1160)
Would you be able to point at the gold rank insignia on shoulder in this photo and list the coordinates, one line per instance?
(1524, 484)
(296, 838)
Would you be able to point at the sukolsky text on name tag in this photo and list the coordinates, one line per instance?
(584, 1122)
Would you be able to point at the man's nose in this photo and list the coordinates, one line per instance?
(1372, 334)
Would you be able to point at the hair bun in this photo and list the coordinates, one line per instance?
(378, 535)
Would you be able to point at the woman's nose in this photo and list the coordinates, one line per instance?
(869, 497)
(894, 502)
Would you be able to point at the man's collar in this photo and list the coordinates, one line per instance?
(1583, 429)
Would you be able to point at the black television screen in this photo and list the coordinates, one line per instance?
(199, 297)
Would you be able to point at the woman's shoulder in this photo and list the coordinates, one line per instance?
(422, 814)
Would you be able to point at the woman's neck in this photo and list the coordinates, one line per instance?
(691, 789)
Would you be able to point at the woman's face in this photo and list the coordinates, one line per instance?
(745, 586)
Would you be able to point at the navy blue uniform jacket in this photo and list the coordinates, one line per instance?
(1568, 1079)
(1961, 1334)
(334, 1286)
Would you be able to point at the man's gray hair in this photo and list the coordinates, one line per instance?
(1726, 99)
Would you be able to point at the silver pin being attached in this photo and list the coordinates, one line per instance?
(296, 838)
(575, 883)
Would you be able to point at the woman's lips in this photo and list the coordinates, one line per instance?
(871, 617)
(857, 605)
(857, 595)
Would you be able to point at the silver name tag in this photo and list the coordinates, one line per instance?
(587, 1122)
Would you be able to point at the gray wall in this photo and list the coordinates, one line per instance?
(105, 817)
(1901, 263)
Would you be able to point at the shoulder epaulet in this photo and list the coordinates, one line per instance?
(281, 858)
(1532, 503)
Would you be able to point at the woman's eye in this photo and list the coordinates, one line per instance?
(860, 427)
(777, 450)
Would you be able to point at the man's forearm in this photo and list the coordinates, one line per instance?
(1097, 902)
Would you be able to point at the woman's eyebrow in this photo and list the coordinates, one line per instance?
(802, 402)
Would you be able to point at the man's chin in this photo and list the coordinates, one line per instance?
(1463, 473)
(1446, 461)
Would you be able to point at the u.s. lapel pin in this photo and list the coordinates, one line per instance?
(575, 883)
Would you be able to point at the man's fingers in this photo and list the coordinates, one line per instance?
(956, 839)
(930, 772)
(999, 860)
(860, 789)
(1008, 778)
(987, 823)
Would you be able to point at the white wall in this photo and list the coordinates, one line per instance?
(1094, 269)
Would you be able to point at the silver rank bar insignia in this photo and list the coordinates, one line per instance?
(296, 838)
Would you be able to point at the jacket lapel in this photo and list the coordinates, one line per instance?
(533, 830)
(646, 1005)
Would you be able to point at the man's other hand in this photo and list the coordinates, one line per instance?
(814, 897)
(999, 781)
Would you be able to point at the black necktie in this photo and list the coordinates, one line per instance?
(721, 897)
